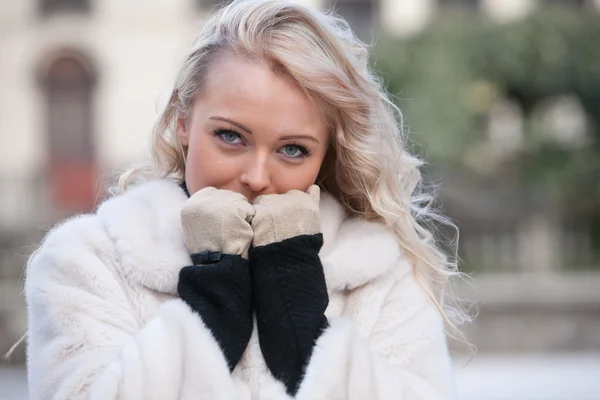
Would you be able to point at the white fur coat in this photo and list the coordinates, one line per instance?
(105, 321)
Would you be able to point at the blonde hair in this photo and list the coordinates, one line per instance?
(368, 168)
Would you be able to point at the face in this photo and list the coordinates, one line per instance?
(252, 131)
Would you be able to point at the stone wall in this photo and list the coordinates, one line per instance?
(535, 313)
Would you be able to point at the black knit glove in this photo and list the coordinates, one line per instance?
(221, 294)
(290, 298)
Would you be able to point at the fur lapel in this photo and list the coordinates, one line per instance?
(145, 226)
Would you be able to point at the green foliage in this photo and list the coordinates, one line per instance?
(447, 79)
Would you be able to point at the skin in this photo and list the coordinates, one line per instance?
(249, 130)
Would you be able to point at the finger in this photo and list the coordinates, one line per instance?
(205, 191)
(315, 193)
(263, 199)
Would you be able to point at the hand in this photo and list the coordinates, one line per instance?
(284, 216)
(217, 220)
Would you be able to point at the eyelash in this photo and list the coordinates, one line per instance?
(220, 132)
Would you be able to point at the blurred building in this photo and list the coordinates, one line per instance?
(81, 83)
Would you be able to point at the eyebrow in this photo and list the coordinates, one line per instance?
(242, 127)
(292, 137)
(232, 122)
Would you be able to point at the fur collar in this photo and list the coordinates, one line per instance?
(145, 226)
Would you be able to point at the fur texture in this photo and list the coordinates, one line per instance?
(105, 323)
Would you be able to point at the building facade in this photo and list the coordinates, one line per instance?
(82, 82)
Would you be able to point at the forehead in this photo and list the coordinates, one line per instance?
(254, 91)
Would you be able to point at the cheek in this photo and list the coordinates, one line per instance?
(207, 166)
(299, 178)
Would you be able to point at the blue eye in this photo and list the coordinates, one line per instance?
(228, 136)
(294, 151)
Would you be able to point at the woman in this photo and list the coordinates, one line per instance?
(273, 250)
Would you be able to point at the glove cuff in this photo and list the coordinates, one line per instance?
(221, 293)
(290, 298)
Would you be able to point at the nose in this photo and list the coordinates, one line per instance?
(256, 174)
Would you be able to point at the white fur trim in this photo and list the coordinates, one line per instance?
(146, 228)
(361, 252)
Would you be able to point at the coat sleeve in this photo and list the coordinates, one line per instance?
(86, 342)
(405, 357)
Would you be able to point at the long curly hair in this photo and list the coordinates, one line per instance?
(368, 167)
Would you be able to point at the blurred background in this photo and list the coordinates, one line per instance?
(501, 97)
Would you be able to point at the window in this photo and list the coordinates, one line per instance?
(53, 6)
(362, 15)
(68, 87)
(68, 93)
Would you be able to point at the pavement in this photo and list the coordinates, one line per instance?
(13, 383)
(486, 377)
(530, 377)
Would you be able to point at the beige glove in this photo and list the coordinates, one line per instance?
(217, 220)
(283, 216)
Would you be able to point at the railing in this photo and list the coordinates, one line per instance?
(535, 246)
(23, 201)
(506, 230)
